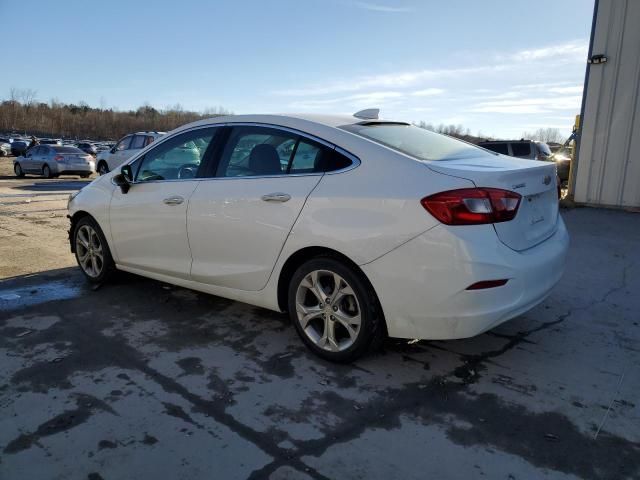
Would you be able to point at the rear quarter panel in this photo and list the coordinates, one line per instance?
(368, 211)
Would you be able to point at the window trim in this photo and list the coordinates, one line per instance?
(210, 165)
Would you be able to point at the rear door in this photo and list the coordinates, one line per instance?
(240, 217)
(148, 223)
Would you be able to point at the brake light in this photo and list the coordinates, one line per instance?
(473, 206)
(59, 158)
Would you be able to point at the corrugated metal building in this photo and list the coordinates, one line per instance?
(608, 166)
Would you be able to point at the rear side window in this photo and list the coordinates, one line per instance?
(263, 151)
(521, 149)
(502, 148)
(414, 141)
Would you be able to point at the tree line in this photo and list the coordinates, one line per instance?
(22, 113)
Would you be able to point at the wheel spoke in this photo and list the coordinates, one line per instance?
(328, 339)
(350, 323)
(305, 314)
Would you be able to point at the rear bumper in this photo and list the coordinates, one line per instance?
(422, 284)
(73, 169)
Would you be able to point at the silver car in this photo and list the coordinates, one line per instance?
(53, 160)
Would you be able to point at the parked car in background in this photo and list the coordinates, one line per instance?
(124, 150)
(54, 160)
(88, 147)
(562, 159)
(358, 227)
(5, 149)
(19, 147)
(519, 148)
(50, 141)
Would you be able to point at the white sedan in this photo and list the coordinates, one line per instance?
(356, 226)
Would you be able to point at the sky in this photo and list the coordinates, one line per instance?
(498, 67)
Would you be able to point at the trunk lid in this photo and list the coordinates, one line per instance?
(537, 215)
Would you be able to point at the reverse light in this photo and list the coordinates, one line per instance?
(473, 206)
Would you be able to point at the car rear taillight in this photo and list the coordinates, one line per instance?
(59, 158)
(473, 206)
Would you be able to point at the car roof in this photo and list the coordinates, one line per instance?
(316, 124)
(148, 133)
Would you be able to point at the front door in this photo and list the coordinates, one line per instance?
(148, 223)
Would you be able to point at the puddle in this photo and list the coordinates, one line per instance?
(11, 299)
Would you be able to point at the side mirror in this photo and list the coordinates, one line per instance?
(113, 150)
(124, 179)
(127, 172)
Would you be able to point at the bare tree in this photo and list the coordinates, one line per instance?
(546, 135)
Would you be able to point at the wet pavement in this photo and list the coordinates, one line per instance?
(139, 379)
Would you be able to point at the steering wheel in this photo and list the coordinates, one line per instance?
(187, 171)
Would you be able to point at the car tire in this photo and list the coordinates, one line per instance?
(46, 171)
(18, 170)
(347, 323)
(92, 251)
(103, 168)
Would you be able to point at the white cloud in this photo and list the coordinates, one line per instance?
(374, 7)
(577, 89)
(428, 92)
(528, 105)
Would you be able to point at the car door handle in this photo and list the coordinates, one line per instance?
(177, 200)
(276, 197)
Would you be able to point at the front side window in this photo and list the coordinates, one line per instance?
(137, 142)
(148, 140)
(178, 158)
(415, 141)
(123, 144)
(522, 149)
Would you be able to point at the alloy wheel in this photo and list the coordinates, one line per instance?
(328, 310)
(89, 251)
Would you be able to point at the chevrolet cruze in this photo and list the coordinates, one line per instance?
(357, 227)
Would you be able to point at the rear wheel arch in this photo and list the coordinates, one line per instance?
(303, 255)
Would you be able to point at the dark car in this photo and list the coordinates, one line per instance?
(19, 147)
(87, 147)
(519, 148)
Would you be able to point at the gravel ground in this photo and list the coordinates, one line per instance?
(139, 379)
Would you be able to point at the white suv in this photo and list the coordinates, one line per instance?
(124, 149)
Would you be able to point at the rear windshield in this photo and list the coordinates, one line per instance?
(415, 141)
(62, 149)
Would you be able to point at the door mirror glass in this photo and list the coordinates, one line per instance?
(127, 173)
(121, 182)
(113, 150)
